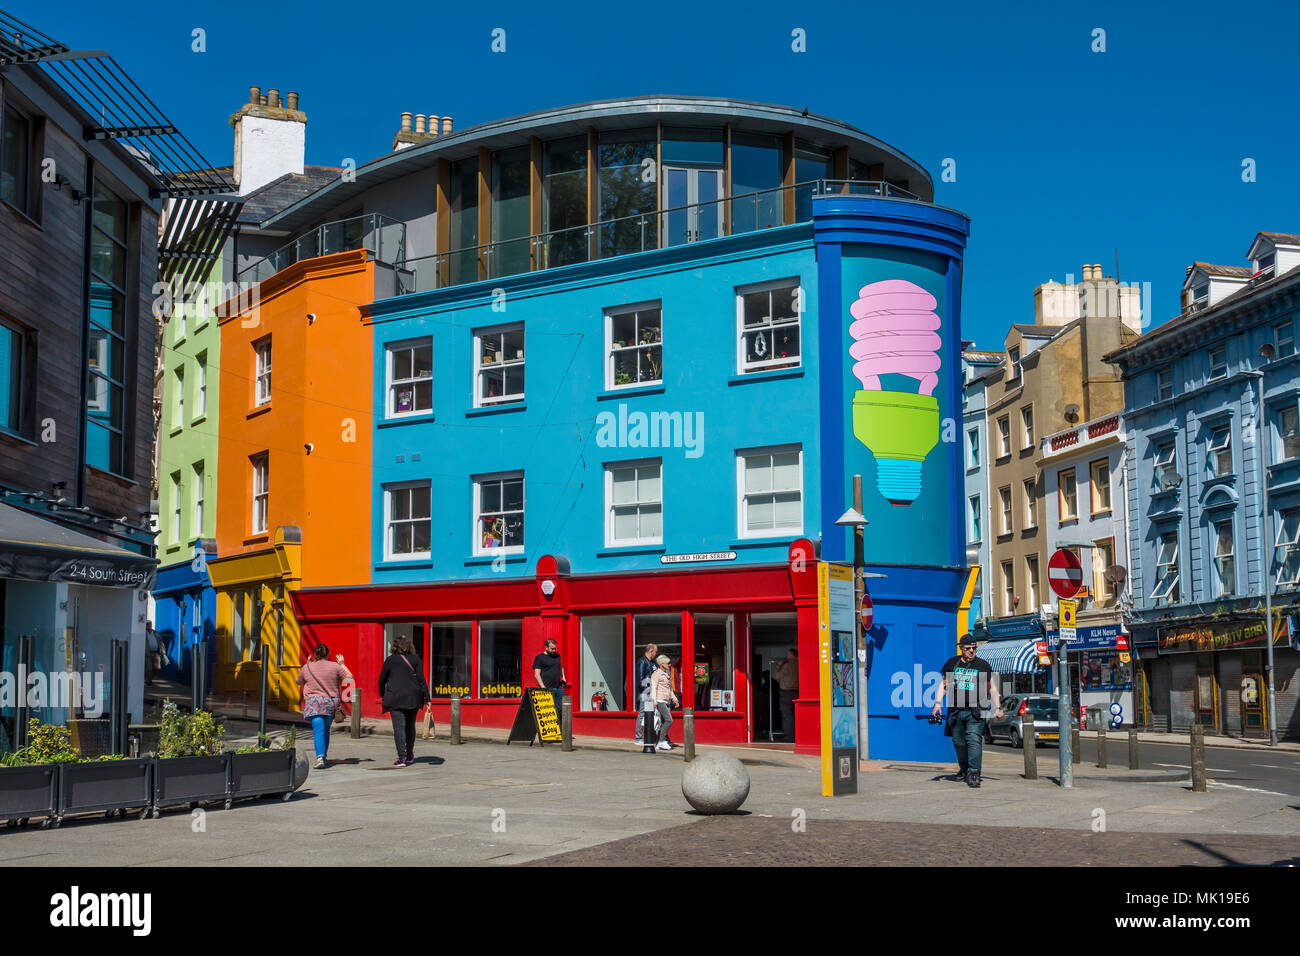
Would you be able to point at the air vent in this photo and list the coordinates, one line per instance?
(400, 459)
(415, 457)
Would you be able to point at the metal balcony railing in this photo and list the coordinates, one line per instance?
(383, 238)
(747, 212)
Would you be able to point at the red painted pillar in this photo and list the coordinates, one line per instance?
(803, 585)
(552, 619)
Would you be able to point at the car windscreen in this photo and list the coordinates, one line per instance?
(1044, 708)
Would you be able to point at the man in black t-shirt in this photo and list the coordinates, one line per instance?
(550, 672)
(967, 680)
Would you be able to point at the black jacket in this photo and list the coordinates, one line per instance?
(644, 668)
(403, 687)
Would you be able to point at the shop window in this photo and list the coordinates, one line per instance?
(664, 631)
(634, 346)
(408, 508)
(1067, 495)
(499, 369)
(500, 654)
(413, 632)
(1100, 480)
(634, 491)
(1287, 554)
(450, 653)
(499, 514)
(603, 668)
(1219, 453)
(769, 326)
(410, 377)
(1166, 588)
(713, 672)
(771, 491)
(1225, 569)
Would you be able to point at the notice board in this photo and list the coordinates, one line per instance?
(537, 718)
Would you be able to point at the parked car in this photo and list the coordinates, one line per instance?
(1012, 725)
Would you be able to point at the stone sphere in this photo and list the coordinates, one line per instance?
(715, 782)
(301, 768)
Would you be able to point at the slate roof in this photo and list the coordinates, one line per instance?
(279, 194)
(1286, 238)
(980, 357)
(1210, 268)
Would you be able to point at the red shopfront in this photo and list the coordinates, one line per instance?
(721, 627)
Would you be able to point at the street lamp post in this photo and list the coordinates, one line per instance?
(853, 519)
(1266, 562)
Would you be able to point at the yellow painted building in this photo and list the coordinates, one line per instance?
(254, 610)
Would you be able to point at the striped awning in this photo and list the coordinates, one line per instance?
(1011, 657)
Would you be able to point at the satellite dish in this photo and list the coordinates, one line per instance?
(1115, 575)
(1071, 413)
(1170, 480)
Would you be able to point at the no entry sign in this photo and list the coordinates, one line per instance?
(1064, 573)
(868, 612)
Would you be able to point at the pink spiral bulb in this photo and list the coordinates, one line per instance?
(895, 332)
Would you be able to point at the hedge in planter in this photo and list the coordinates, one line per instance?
(51, 779)
(190, 767)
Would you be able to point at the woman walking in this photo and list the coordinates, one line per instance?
(661, 690)
(320, 679)
(404, 691)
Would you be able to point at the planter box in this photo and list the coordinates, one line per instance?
(29, 791)
(105, 785)
(178, 780)
(268, 772)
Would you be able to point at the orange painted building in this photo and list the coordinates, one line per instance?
(294, 440)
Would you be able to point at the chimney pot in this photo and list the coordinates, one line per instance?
(293, 100)
(261, 100)
(406, 122)
(254, 95)
(273, 97)
(1096, 270)
(446, 125)
(419, 122)
(434, 124)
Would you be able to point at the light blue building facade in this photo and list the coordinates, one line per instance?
(1201, 542)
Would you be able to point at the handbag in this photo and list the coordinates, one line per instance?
(340, 715)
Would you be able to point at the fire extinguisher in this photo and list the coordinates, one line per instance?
(598, 700)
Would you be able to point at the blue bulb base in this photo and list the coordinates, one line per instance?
(898, 480)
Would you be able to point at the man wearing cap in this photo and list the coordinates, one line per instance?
(967, 678)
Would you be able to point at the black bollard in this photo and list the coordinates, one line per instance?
(1031, 746)
(648, 731)
(261, 703)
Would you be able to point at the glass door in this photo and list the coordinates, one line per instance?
(691, 195)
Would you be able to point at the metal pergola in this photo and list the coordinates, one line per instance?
(202, 207)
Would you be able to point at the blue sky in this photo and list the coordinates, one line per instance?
(1062, 155)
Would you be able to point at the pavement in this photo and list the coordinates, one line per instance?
(483, 803)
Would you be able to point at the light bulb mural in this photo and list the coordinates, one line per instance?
(896, 334)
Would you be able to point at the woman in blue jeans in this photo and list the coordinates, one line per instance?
(321, 680)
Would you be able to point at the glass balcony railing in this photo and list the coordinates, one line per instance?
(383, 238)
(747, 212)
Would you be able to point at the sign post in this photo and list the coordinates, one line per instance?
(1065, 575)
(837, 665)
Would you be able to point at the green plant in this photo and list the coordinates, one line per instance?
(290, 738)
(46, 743)
(622, 378)
(188, 735)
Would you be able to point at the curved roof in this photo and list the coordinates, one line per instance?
(628, 113)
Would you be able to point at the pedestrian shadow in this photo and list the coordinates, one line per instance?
(1208, 851)
(431, 761)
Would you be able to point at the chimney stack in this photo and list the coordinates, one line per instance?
(414, 136)
(270, 139)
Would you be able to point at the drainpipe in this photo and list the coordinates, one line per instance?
(1266, 562)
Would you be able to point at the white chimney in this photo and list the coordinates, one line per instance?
(270, 139)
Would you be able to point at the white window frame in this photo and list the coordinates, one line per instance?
(973, 448)
(502, 364)
(1161, 465)
(178, 408)
(1220, 557)
(1004, 499)
(794, 283)
(476, 532)
(1215, 450)
(200, 386)
(198, 498)
(1031, 580)
(1031, 503)
(1164, 382)
(1013, 355)
(1287, 549)
(1223, 369)
(1004, 436)
(615, 466)
(633, 310)
(1167, 548)
(1027, 426)
(261, 492)
(262, 373)
(177, 494)
(742, 497)
(1284, 337)
(974, 528)
(390, 522)
(391, 384)
(1008, 588)
(1062, 498)
(1291, 410)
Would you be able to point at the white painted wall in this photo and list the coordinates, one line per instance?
(266, 149)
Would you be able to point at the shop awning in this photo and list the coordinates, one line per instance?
(33, 548)
(1011, 657)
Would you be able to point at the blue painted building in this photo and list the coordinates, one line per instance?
(185, 614)
(642, 429)
(1203, 546)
